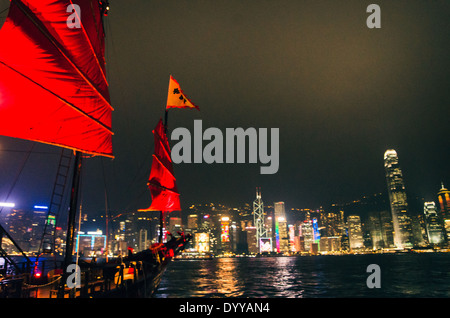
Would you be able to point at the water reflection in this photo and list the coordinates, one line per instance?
(218, 279)
(227, 281)
(287, 277)
(284, 282)
(321, 276)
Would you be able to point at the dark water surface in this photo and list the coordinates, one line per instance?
(402, 275)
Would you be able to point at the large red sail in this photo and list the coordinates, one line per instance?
(162, 182)
(53, 86)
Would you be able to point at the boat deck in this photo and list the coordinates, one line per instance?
(137, 275)
(93, 280)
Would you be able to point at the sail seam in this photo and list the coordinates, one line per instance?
(164, 147)
(162, 187)
(160, 162)
(61, 99)
(90, 45)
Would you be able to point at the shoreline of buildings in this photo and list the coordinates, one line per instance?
(393, 221)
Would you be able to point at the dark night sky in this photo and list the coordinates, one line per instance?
(340, 93)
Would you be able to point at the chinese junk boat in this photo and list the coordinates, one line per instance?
(53, 90)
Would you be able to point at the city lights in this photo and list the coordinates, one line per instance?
(41, 207)
(7, 204)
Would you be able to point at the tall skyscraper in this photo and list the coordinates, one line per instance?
(433, 224)
(143, 240)
(251, 240)
(225, 234)
(281, 234)
(355, 232)
(258, 218)
(280, 210)
(174, 224)
(376, 234)
(333, 223)
(381, 230)
(397, 197)
(444, 208)
(316, 232)
(307, 232)
(444, 202)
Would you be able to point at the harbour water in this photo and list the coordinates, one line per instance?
(324, 276)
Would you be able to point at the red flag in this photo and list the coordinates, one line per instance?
(176, 98)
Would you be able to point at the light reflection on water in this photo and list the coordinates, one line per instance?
(216, 278)
(411, 275)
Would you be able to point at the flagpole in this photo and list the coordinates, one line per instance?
(161, 216)
(166, 117)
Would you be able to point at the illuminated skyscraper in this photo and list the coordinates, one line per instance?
(433, 224)
(374, 226)
(316, 232)
(202, 242)
(174, 224)
(280, 210)
(355, 232)
(307, 232)
(225, 234)
(258, 218)
(251, 240)
(397, 197)
(192, 222)
(281, 234)
(444, 202)
(444, 207)
(291, 231)
(143, 240)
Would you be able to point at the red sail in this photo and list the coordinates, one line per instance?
(162, 182)
(53, 86)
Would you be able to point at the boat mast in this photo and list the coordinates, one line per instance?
(161, 215)
(161, 226)
(71, 221)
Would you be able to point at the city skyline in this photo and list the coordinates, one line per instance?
(369, 224)
(431, 196)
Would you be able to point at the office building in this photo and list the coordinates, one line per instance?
(444, 209)
(251, 239)
(433, 224)
(355, 232)
(398, 201)
(192, 221)
(201, 240)
(330, 244)
(444, 202)
(307, 232)
(281, 231)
